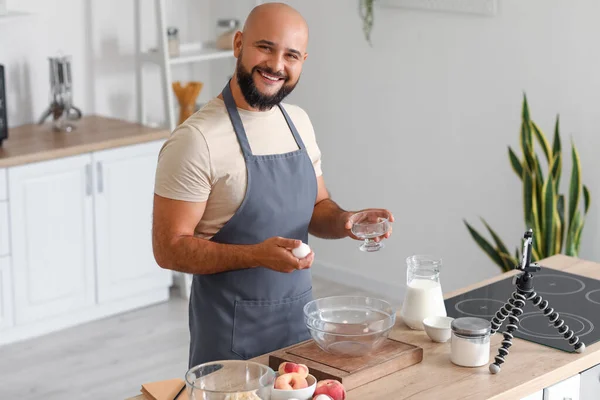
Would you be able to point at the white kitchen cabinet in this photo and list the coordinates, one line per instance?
(6, 315)
(79, 240)
(539, 395)
(52, 237)
(590, 384)
(124, 185)
(567, 389)
(3, 187)
(4, 229)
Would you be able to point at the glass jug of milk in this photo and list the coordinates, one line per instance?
(423, 297)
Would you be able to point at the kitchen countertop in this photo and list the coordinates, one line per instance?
(529, 367)
(32, 142)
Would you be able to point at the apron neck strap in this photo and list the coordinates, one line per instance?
(236, 121)
(297, 137)
(238, 126)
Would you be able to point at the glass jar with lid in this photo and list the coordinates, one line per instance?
(228, 28)
(470, 342)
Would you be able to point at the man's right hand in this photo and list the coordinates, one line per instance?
(276, 253)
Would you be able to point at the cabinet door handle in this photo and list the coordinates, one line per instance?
(100, 177)
(88, 179)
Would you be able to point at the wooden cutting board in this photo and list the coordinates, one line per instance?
(350, 371)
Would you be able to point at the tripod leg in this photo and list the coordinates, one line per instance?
(518, 302)
(558, 323)
(502, 314)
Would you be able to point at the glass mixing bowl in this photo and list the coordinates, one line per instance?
(351, 326)
(230, 380)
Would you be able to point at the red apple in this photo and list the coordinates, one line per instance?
(331, 388)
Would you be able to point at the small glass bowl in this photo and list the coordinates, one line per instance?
(230, 380)
(350, 326)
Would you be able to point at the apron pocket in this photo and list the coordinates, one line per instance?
(262, 326)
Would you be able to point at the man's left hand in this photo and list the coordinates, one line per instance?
(377, 211)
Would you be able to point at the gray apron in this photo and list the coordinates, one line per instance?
(245, 313)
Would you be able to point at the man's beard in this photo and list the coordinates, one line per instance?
(253, 96)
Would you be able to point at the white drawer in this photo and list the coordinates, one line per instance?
(3, 185)
(6, 306)
(590, 384)
(4, 229)
(567, 389)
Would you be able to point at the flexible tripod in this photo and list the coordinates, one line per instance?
(513, 308)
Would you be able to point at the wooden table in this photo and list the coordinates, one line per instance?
(530, 367)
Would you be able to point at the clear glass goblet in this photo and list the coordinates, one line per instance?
(368, 225)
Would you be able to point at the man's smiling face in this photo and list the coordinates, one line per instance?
(270, 54)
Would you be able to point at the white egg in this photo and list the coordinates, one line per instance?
(322, 397)
(301, 251)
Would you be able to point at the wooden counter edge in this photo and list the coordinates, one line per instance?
(148, 134)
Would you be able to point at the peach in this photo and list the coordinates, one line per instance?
(331, 388)
(290, 381)
(287, 367)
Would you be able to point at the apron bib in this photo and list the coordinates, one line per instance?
(245, 313)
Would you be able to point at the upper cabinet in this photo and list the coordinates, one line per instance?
(124, 185)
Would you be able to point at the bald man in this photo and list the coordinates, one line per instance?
(238, 186)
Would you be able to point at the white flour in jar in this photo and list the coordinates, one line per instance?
(470, 352)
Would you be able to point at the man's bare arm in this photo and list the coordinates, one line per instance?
(330, 221)
(176, 248)
(328, 218)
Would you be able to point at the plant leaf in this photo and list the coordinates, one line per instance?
(535, 256)
(485, 246)
(548, 213)
(525, 110)
(526, 146)
(527, 199)
(575, 186)
(555, 169)
(500, 247)
(539, 194)
(509, 262)
(560, 233)
(571, 249)
(516, 164)
(556, 147)
(526, 136)
(578, 236)
(543, 141)
(536, 211)
(586, 199)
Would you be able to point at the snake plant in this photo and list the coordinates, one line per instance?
(556, 224)
(365, 9)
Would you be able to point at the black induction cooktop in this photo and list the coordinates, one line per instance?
(574, 297)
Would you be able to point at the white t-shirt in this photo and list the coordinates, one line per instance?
(203, 162)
